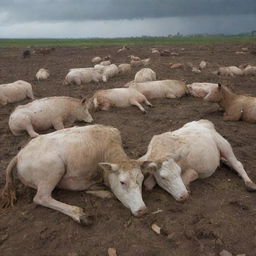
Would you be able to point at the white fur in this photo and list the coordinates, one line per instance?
(15, 91)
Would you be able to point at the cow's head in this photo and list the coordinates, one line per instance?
(214, 94)
(125, 180)
(167, 174)
(83, 111)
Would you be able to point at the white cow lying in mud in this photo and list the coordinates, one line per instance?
(70, 159)
(15, 91)
(191, 152)
(80, 76)
(160, 89)
(119, 97)
(201, 89)
(42, 74)
(229, 71)
(44, 113)
(145, 74)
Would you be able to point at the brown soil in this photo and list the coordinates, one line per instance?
(219, 214)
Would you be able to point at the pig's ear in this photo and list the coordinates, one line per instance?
(148, 167)
(109, 167)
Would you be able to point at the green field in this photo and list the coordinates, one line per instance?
(122, 41)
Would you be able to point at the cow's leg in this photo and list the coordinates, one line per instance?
(137, 104)
(227, 153)
(188, 176)
(30, 94)
(58, 124)
(147, 102)
(234, 113)
(170, 95)
(31, 131)
(44, 190)
(101, 193)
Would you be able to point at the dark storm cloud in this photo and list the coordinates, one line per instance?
(78, 10)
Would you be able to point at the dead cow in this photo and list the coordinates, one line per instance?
(70, 159)
(42, 74)
(145, 74)
(161, 88)
(15, 91)
(237, 107)
(201, 89)
(119, 97)
(191, 152)
(229, 71)
(42, 114)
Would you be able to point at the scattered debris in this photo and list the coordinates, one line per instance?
(112, 252)
(158, 230)
(158, 210)
(225, 253)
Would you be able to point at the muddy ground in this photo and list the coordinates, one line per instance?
(219, 214)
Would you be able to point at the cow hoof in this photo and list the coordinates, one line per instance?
(250, 186)
(86, 220)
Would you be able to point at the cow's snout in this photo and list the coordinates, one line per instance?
(183, 197)
(141, 212)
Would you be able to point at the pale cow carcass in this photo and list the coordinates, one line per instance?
(82, 75)
(42, 74)
(15, 91)
(230, 71)
(72, 159)
(202, 64)
(96, 60)
(184, 155)
(42, 114)
(236, 107)
(145, 74)
(119, 97)
(124, 68)
(109, 71)
(161, 89)
(105, 63)
(249, 70)
(201, 90)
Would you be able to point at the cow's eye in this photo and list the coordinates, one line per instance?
(122, 182)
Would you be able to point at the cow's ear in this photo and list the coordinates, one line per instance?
(83, 100)
(148, 166)
(109, 167)
(149, 182)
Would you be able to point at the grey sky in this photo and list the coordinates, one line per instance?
(119, 18)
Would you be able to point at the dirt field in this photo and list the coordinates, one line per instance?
(219, 214)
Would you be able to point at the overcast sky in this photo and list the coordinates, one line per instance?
(121, 18)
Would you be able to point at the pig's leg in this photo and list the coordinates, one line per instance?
(136, 103)
(147, 102)
(188, 176)
(44, 190)
(101, 193)
(227, 153)
(58, 124)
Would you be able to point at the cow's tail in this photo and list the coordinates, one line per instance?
(8, 194)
